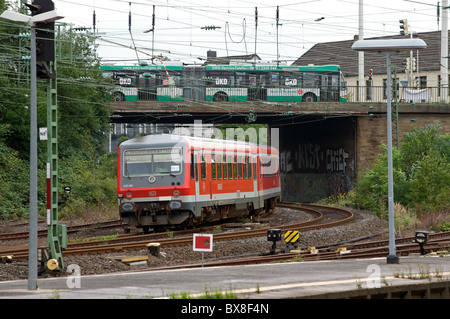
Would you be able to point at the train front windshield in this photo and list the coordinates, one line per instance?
(146, 162)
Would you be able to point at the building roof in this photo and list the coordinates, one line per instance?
(341, 53)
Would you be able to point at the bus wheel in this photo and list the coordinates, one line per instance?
(220, 97)
(309, 97)
(118, 96)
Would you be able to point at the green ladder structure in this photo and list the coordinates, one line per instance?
(57, 234)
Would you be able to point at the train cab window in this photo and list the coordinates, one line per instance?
(213, 166)
(230, 169)
(203, 167)
(219, 166)
(235, 167)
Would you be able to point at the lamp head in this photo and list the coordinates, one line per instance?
(389, 45)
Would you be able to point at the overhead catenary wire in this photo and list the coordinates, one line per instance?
(336, 25)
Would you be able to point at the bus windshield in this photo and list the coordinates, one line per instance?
(146, 162)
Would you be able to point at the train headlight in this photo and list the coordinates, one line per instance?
(175, 205)
(127, 207)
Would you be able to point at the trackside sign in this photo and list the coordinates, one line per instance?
(203, 242)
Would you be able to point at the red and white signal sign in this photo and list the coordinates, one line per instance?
(203, 242)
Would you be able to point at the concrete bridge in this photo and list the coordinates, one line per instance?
(323, 146)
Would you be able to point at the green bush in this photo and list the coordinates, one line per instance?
(14, 184)
(421, 171)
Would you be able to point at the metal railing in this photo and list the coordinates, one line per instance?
(404, 94)
(280, 94)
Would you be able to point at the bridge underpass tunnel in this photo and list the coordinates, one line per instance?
(317, 158)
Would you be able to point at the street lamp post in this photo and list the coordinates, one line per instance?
(389, 48)
(33, 238)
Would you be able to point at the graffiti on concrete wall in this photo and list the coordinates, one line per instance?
(313, 158)
(311, 172)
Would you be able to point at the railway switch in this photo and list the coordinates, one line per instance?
(273, 235)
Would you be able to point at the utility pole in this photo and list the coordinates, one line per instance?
(278, 24)
(361, 55)
(444, 52)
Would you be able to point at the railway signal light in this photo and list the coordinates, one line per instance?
(273, 235)
(403, 26)
(421, 237)
(406, 63)
(370, 74)
(45, 38)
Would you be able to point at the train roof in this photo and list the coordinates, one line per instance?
(167, 140)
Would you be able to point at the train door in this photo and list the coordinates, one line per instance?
(255, 182)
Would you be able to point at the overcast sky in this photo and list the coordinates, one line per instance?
(178, 34)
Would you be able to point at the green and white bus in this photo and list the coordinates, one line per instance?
(228, 83)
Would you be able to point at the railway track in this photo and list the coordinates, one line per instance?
(322, 217)
(404, 247)
(10, 236)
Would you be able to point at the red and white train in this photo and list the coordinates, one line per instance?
(172, 180)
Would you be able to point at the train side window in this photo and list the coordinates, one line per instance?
(219, 166)
(239, 160)
(225, 167)
(203, 167)
(254, 168)
(249, 168)
(196, 167)
(235, 167)
(244, 166)
(230, 169)
(213, 166)
(192, 166)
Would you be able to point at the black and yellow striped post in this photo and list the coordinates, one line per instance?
(291, 238)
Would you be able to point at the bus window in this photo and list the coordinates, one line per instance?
(311, 80)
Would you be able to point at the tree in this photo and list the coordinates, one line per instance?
(82, 96)
(421, 174)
